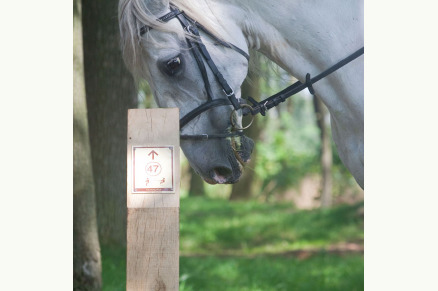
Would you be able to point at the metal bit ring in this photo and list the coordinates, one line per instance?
(232, 119)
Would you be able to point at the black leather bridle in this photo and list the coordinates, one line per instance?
(200, 54)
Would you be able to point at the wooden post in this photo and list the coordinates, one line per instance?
(153, 200)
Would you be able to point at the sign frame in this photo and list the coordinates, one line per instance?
(154, 190)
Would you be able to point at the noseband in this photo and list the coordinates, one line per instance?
(200, 54)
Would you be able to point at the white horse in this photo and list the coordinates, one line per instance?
(301, 36)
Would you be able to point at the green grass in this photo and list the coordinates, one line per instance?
(247, 246)
(215, 227)
(321, 272)
(113, 268)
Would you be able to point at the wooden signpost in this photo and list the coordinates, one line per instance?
(153, 200)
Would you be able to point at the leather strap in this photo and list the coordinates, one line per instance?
(274, 100)
(200, 54)
(218, 40)
(198, 57)
(210, 136)
(201, 108)
(191, 27)
(175, 11)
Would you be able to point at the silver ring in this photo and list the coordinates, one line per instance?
(232, 120)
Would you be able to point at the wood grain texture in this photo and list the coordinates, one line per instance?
(153, 219)
(153, 249)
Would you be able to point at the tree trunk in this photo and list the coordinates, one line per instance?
(110, 92)
(86, 250)
(244, 189)
(196, 184)
(326, 160)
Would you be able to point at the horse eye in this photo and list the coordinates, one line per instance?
(173, 66)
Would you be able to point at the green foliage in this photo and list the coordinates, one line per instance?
(145, 96)
(289, 149)
(247, 246)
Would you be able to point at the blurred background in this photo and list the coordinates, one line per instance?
(293, 222)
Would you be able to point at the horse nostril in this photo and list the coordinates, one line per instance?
(223, 171)
(222, 174)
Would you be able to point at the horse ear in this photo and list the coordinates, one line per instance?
(157, 6)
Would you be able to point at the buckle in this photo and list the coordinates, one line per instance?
(229, 95)
(188, 28)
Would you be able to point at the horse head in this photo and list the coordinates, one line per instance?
(163, 53)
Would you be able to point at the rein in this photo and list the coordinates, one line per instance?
(200, 54)
(266, 104)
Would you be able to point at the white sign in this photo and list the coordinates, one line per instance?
(153, 169)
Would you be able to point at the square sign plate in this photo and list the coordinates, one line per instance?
(153, 169)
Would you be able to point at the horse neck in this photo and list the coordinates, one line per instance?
(302, 36)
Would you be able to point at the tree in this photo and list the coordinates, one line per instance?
(110, 93)
(326, 158)
(196, 184)
(86, 249)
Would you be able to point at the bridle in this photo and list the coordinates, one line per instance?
(200, 54)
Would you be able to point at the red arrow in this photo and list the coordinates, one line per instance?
(153, 153)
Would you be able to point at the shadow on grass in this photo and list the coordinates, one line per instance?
(254, 227)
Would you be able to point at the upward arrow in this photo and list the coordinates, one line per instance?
(153, 153)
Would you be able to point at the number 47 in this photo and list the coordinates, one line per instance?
(153, 168)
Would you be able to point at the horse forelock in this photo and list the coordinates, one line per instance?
(134, 14)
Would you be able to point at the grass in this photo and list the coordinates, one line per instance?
(113, 268)
(215, 227)
(250, 246)
(322, 272)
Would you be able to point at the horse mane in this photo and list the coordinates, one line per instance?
(134, 14)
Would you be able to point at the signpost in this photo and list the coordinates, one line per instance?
(153, 183)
